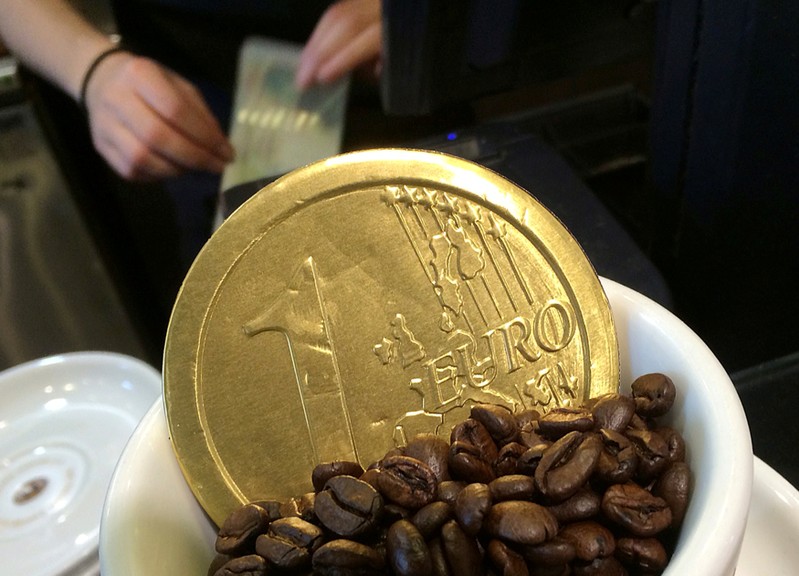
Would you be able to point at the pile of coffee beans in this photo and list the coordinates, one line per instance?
(598, 490)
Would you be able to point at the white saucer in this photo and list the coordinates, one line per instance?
(64, 421)
(772, 531)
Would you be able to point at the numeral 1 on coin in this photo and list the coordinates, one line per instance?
(299, 314)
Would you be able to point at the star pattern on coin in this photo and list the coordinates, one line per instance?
(390, 195)
(497, 229)
(425, 197)
(446, 204)
(469, 212)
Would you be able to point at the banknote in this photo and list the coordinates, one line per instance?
(274, 126)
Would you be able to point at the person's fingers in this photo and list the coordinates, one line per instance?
(164, 139)
(359, 51)
(147, 121)
(174, 132)
(194, 98)
(130, 158)
(338, 26)
(138, 144)
(184, 109)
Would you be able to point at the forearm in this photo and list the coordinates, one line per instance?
(50, 37)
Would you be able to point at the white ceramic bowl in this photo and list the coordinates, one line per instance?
(64, 421)
(153, 526)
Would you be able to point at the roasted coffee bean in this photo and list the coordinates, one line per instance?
(618, 460)
(554, 552)
(327, 470)
(438, 558)
(653, 394)
(506, 561)
(581, 506)
(433, 451)
(613, 412)
(249, 565)
(567, 465)
(302, 507)
(370, 476)
(591, 540)
(512, 487)
(218, 561)
(407, 552)
(467, 462)
(393, 512)
(638, 423)
(529, 434)
(290, 507)
(471, 506)
(644, 555)
(526, 416)
(449, 489)
(470, 431)
(498, 420)
(674, 486)
(407, 481)
(429, 519)
(560, 421)
(272, 508)
(240, 529)
(562, 570)
(636, 510)
(653, 454)
(461, 551)
(289, 542)
(348, 506)
(343, 557)
(530, 458)
(520, 522)
(675, 443)
(508, 458)
(396, 451)
(608, 566)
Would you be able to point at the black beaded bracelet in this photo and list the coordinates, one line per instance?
(84, 86)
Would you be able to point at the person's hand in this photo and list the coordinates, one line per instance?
(149, 123)
(347, 37)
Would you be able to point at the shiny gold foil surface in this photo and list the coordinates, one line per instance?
(364, 299)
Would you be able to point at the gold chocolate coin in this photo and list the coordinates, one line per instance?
(364, 299)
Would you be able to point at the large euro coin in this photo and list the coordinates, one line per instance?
(362, 300)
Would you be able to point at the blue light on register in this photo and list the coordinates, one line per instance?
(452, 135)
